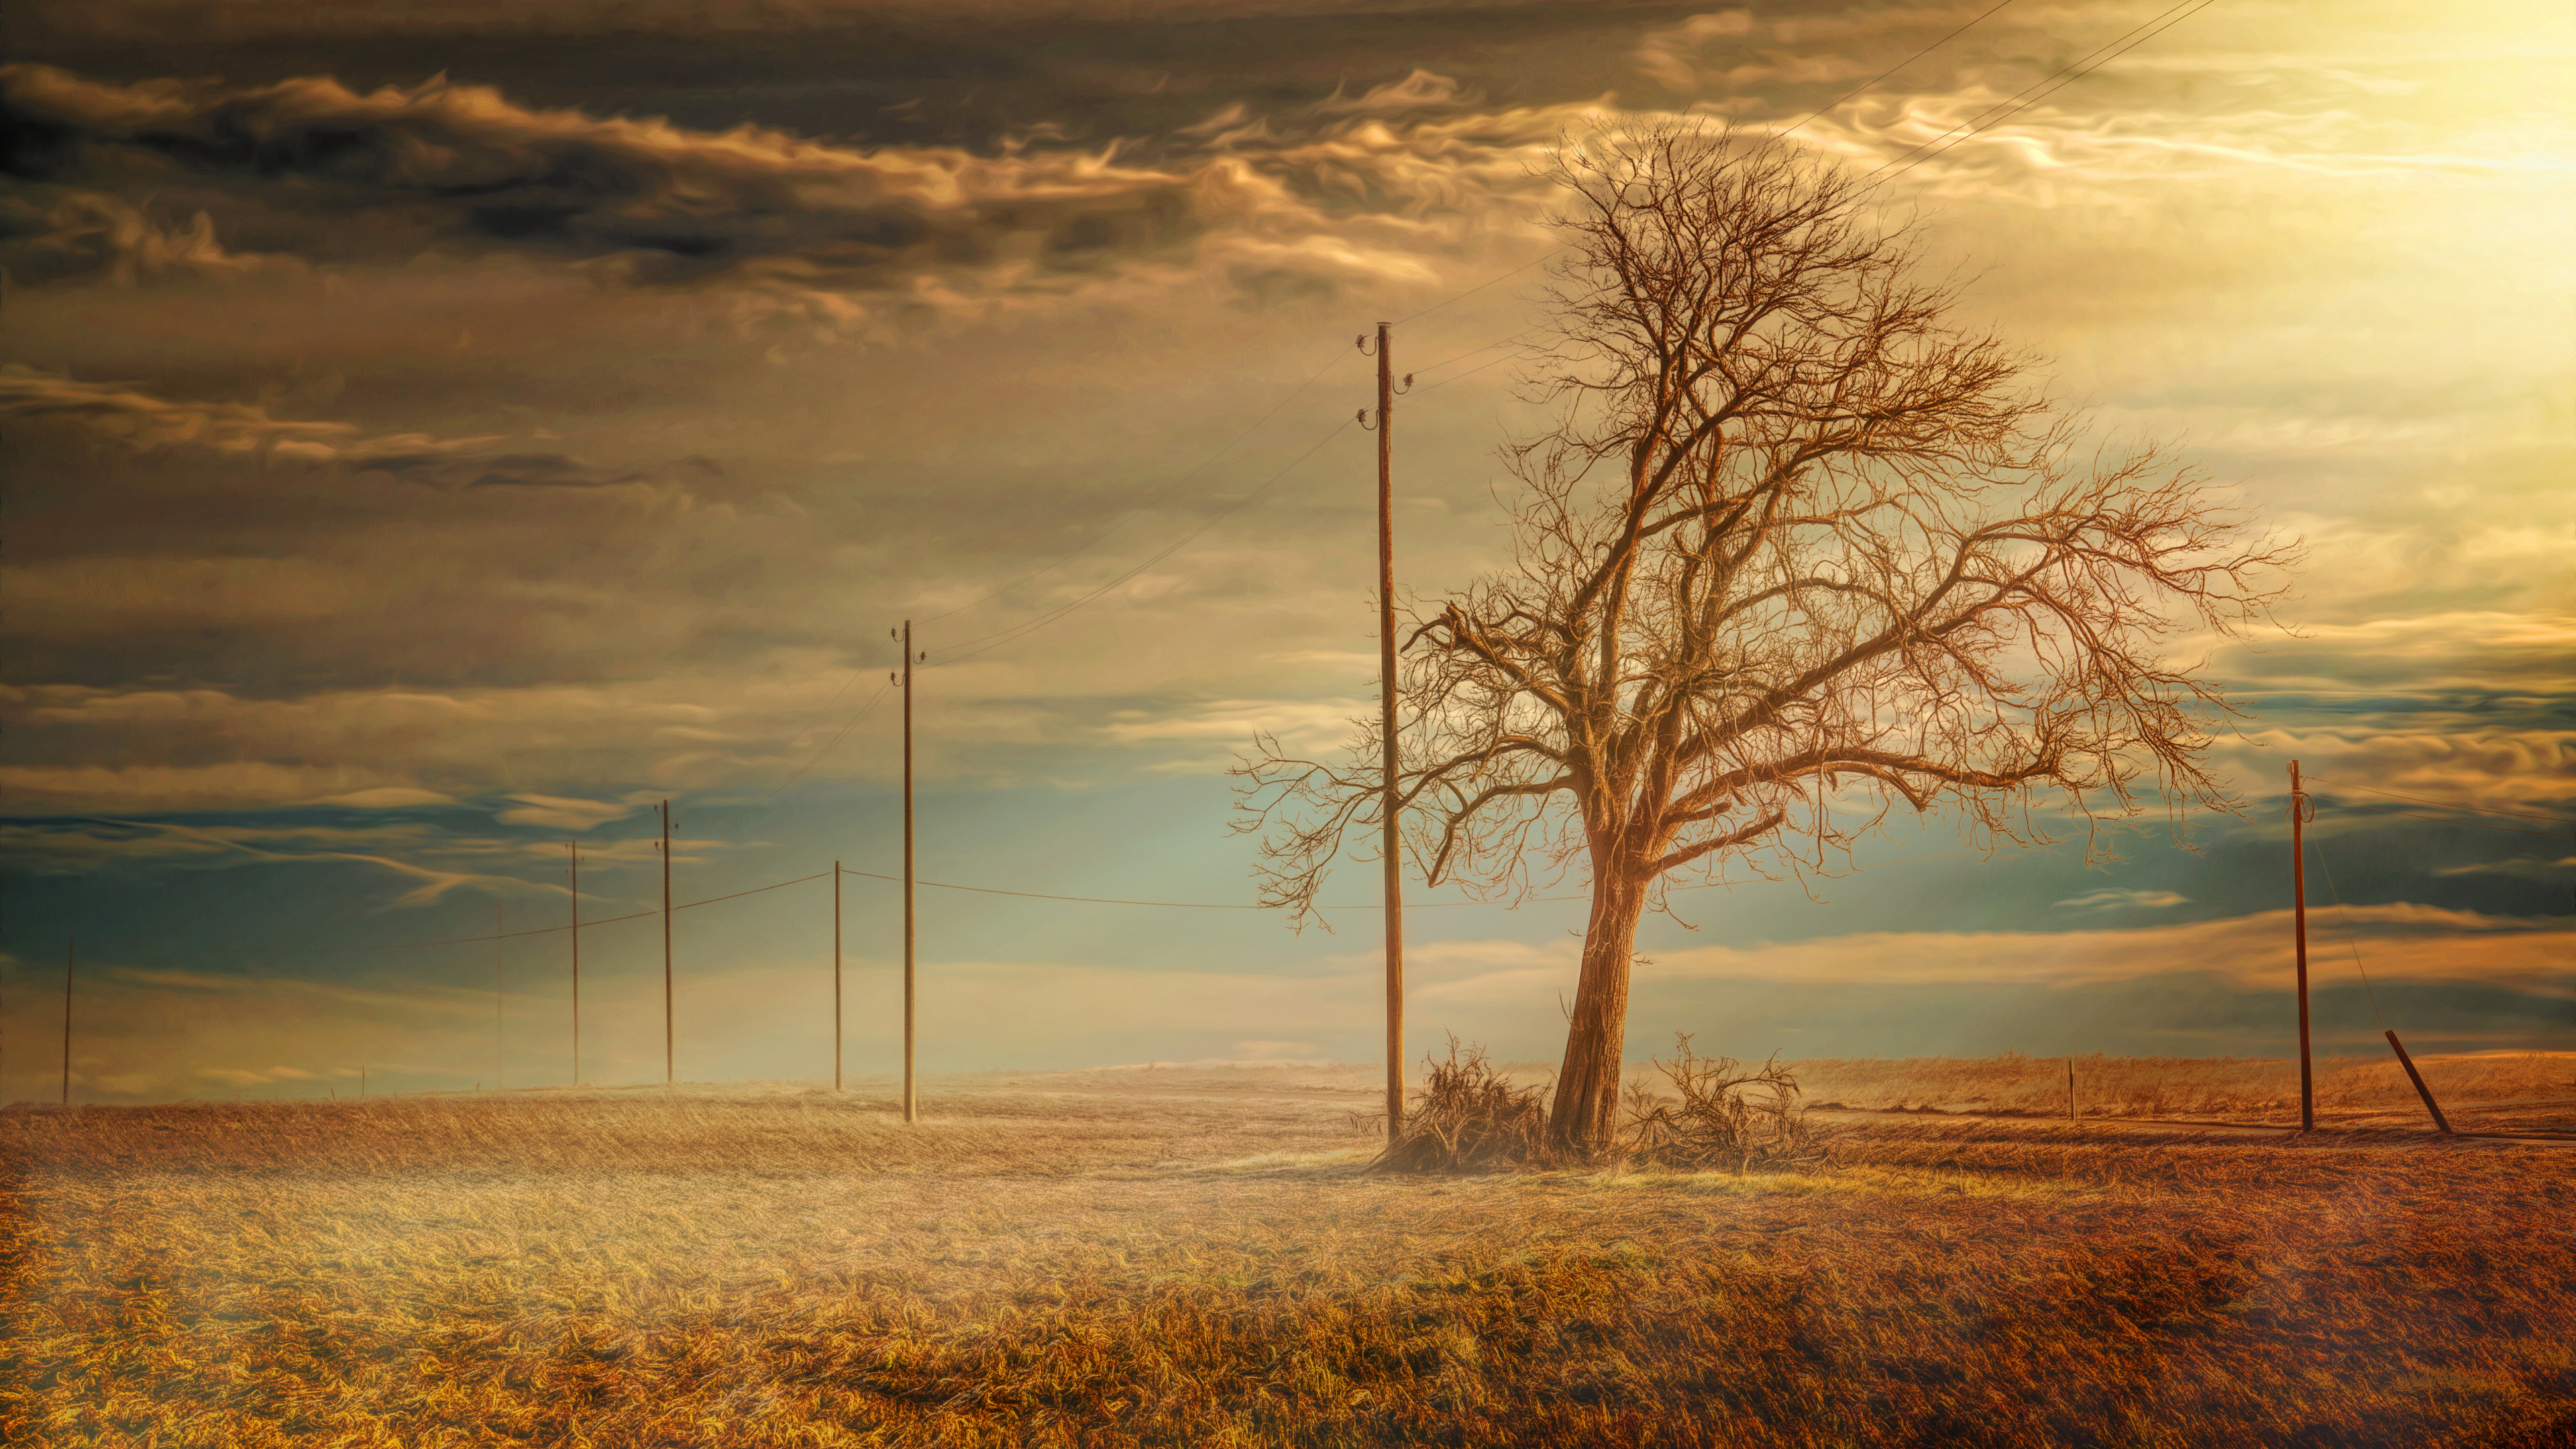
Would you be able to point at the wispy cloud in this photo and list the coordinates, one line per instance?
(564, 813)
(137, 417)
(2116, 899)
(2531, 867)
(2398, 941)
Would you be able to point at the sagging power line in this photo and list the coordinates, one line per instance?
(2014, 104)
(2444, 804)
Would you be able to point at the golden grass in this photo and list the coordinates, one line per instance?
(2518, 1089)
(1197, 1258)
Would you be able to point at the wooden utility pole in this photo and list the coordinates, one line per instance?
(909, 1111)
(500, 928)
(71, 948)
(1391, 843)
(836, 976)
(665, 811)
(576, 961)
(2299, 914)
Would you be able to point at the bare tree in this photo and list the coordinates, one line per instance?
(1800, 548)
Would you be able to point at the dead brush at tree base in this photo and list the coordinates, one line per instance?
(1729, 1114)
(1467, 1117)
(1470, 1116)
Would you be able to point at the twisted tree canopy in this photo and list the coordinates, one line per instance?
(1800, 549)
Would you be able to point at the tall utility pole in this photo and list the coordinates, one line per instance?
(576, 961)
(664, 810)
(908, 1102)
(1392, 844)
(500, 928)
(836, 976)
(70, 948)
(2299, 912)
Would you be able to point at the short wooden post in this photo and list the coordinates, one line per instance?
(2070, 1089)
(2439, 1121)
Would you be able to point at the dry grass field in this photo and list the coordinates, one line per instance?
(1196, 1256)
(2513, 1091)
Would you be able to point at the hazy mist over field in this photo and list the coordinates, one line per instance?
(433, 433)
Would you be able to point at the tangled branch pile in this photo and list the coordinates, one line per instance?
(1718, 1122)
(1467, 1116)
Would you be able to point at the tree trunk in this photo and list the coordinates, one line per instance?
(1584, 1116)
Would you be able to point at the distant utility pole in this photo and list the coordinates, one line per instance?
(71, 947)
(910, 1109)
(500, 928)
(2299, 909)
(576, 961)
(836, 976)
(664, 810)
(1392, 844)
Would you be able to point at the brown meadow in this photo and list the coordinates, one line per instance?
(1196, 1256)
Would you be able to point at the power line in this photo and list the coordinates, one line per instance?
(2343, 913)
(1001, 637)
(1978, 124)
(1042, 896)
(1546, 256)
(514, 935)
(1893, 69)
(2445, 804)
(1096, 540)
(2006, 108)
(864, 711)
(1463, 356)
(2444, 820)
(1511, 356)
(1004, 636)
(1157, 497)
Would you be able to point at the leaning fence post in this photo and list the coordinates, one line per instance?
(2417, 1078)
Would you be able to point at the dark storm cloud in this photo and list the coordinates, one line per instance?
(209, 19)
(140, 419)
(310, 167)
(169, 175)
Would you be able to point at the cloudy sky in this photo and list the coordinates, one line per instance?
(434, 433)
